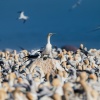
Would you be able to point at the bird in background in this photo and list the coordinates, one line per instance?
(95, 29)
(22, 16)
(78, 3)
(48, 48)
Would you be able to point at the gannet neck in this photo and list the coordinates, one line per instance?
(48, 39)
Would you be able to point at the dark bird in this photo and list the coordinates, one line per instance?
(33, 56)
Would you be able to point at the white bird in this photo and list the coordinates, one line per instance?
(22, 16)
(78, 3)
(48, 49)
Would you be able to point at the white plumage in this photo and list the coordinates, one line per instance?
(48, 48)
(22, 16)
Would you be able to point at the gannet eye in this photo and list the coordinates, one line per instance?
(50, 34)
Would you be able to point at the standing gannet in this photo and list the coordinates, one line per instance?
(22, 16)
(48, 48)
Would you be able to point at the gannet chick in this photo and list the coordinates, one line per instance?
(23, 17)
(90, 92)
(48, 49)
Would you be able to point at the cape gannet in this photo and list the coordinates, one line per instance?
(22, 16)
(48, 48)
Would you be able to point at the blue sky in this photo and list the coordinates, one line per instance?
(49, 16)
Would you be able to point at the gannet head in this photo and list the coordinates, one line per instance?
(22, 11)
(50, 34)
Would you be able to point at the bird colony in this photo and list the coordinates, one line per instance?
(50, 74)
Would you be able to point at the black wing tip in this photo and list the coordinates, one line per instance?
(24, 21)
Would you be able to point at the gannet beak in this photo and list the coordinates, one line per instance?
(53, 34)
(50, 34)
